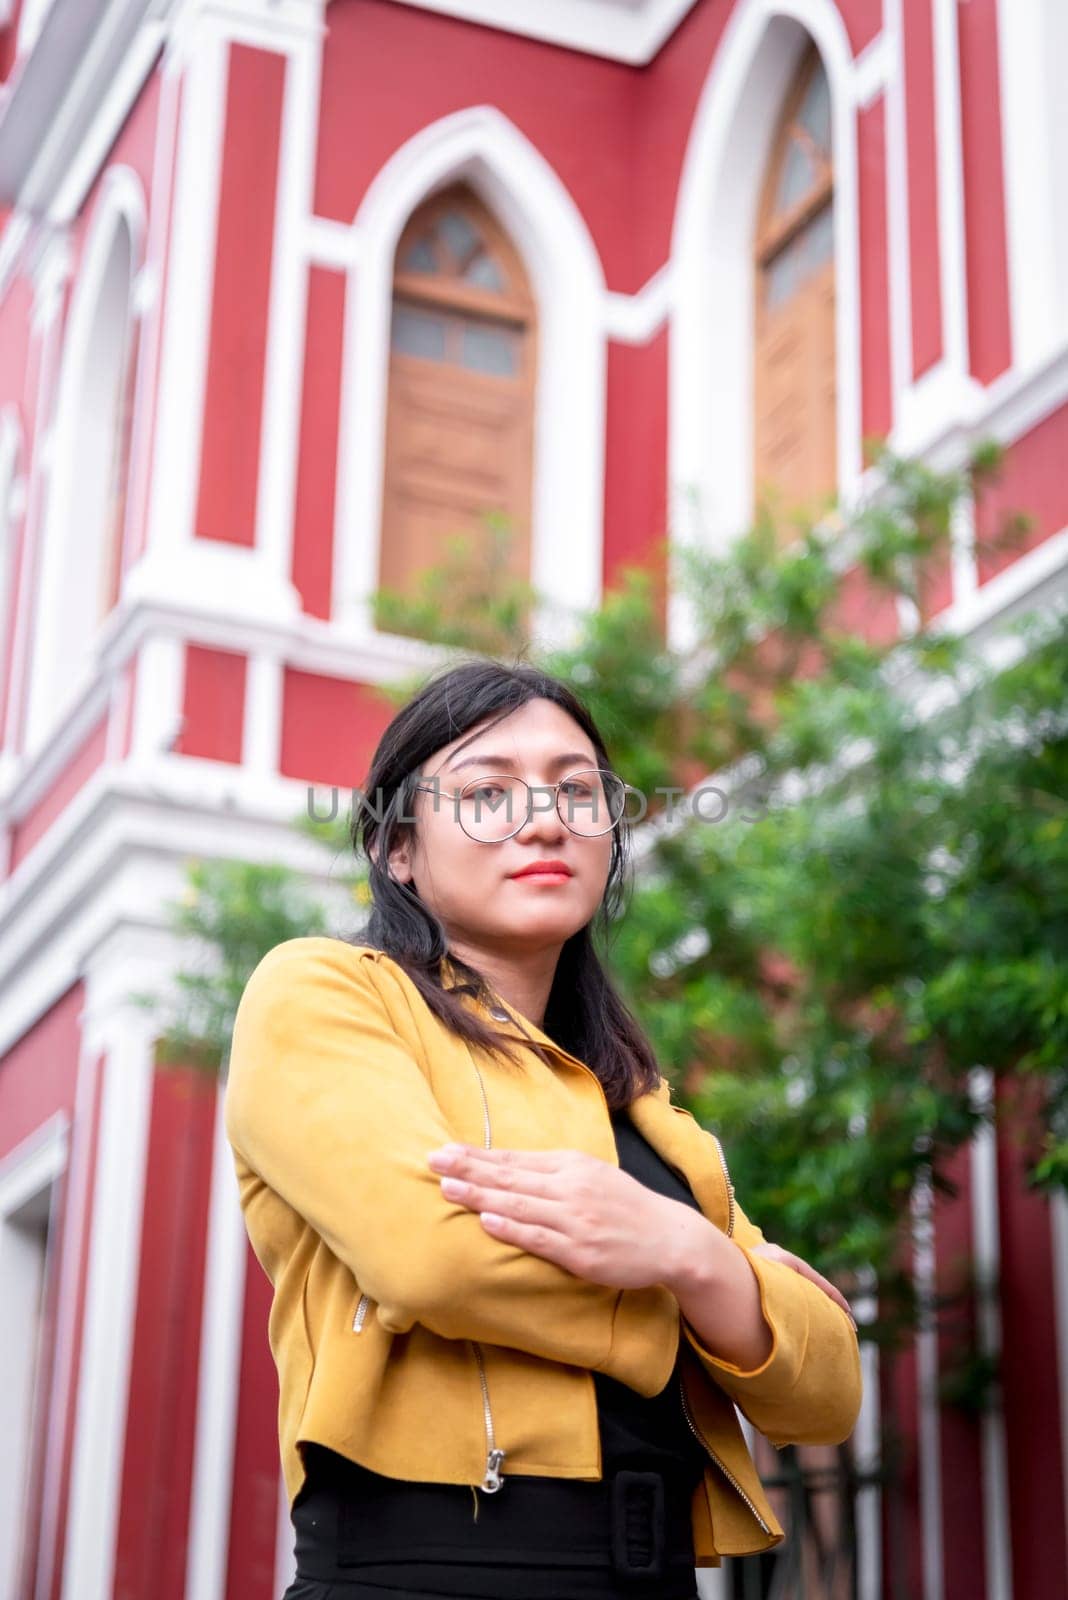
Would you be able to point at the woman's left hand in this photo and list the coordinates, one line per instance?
(585, 1215)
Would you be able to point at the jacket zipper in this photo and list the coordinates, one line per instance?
(730, 1187)
(731, 1479)
(492, 1481)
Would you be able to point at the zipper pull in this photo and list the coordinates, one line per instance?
(493, 1480)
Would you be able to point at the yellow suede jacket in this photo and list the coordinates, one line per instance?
(408, 1338)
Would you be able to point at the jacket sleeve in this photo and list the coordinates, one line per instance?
(329, 1107)
(808, 1389)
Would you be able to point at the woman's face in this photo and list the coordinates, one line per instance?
(472, 886)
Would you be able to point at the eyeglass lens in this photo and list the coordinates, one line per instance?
(493, 808)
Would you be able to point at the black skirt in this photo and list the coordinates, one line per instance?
(362, 1536)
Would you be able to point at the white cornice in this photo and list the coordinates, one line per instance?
(619, 30)
(70, 96)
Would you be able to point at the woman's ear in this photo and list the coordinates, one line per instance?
(399, 860)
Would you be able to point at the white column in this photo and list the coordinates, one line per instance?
(897, 208)
(986, 1252)
(200, 55)
(1033, 56)
(868, 1450)
(1059, 1240)
(930, 1441)
(76, 1220)
(283, 377)
(219, 1381)
(110, 1299)
(952, 254)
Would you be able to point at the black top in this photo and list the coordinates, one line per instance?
(537, 1536)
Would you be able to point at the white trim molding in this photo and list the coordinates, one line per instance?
(619, 30)
(67, 590)
(102, 1388)
(70, 95)
(201, 56)
(1058, 1222)
(946, 393)
(634, 318)
(711, 378)
(482, 147)
(12, 510)
(1033, 61)
(219, 1377)
(929, 1431)
(283, 366)
(29, 1191)
(986, 1254)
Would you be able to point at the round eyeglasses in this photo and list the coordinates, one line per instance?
(491, 809)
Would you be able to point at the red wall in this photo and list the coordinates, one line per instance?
(329, 730)
(1032, 481)
(213, 704)
(876, 402)
(313, 533)
(230, 453)
(1029, 1369)
(151, 1546)
(636, 498)
(989, 336)
(257, 1464)
(922, 158)
(960, 1431)
(88, 757)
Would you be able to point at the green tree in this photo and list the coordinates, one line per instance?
(873, 900)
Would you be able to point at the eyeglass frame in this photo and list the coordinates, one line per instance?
(530, 788)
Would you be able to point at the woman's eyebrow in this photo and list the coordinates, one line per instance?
(506, 761)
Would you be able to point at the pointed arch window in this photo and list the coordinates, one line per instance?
(795, 428)
(79, 576)
(460, 418)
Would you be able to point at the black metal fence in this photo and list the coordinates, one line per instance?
(815, 1493)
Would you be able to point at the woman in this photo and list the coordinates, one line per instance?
(515, 1298)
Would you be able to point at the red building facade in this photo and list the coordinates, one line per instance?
(684, 246)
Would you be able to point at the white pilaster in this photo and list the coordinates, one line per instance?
(111, 1287)
(986, 1252)
(219, 1383)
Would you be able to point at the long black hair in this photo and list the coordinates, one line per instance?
(584, 1014)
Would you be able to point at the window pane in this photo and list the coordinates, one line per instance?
(815, 114)
(420, 258)
(781, 277)
(490, 349)
(485, 272)
(798, 177)
(807, 251)
(818, 239)
(458, 234)
(418, 333)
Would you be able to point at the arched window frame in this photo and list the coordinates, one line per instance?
(1033, 50)
(778, 229)
(483, 148)
(12, 507)
(63, 636)
(456, 300)
(710, 373)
